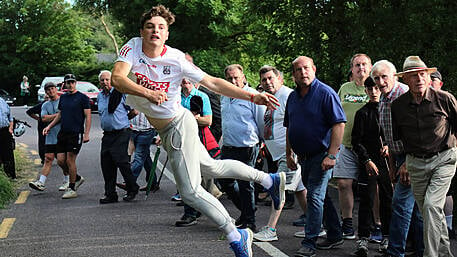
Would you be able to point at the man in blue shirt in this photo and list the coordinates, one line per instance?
(240, 134)
(315, 123)
(6, 137)
(75, 120)
(49, 111)
(114, 121)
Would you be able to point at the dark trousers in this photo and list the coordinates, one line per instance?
(41, 142)
(114, 155)
(6, 152)
(241, 192)
(367, 190)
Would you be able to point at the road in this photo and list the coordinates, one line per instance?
(46, 225)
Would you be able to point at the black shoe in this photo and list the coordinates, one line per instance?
(186, 221)
(239, 222)
(329, 244)
(451, 233)
(122, 186)
(181, 203)
(305, 252)
(130, 196)
(108, 199)
(153, 188)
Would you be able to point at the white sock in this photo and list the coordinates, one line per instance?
(66, 178)
(449, 221)
(43, 179)
(267, 182)
(234, 236)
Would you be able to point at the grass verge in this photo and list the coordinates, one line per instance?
(25, 170)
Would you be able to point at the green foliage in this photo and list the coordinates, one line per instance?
(42, 38)
(7, 192)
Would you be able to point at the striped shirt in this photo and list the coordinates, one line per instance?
(385, 116)
(140, 123)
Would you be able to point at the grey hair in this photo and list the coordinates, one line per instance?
(103, 71)
(386, 63)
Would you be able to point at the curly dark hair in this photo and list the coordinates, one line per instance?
(158, 10)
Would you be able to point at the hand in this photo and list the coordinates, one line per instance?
(158, 140)
(385, 151)
(197, 116)
(371, 168)
(10, 129)
(85, 138)
(404, 175)
(327, 163)
(291, 164)
(266, 99)
(46, 131)
(156, 96)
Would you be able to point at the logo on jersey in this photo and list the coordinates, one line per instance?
(144, 81)
(355, 98)
(125, 50)
(166, 70)
(142, 61)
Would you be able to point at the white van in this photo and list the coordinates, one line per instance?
(41, 93)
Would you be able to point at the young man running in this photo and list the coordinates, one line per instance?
(159, 70)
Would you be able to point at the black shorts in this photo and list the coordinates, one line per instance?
(68, 142)
(50, 149)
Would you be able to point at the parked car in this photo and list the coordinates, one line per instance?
(86, 88)
(41, 93)
(9, 99)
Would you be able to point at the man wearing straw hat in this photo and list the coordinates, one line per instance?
(425, 121)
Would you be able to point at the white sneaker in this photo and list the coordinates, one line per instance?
(79, 183)
(266, 235)
(64, 186)
(37, 185)
(301, 233)
(69, 193)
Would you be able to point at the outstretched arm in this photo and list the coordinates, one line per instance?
(224, 87)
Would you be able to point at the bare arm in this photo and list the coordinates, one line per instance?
(11, 127)
(335, 142)
(52, 124)
(87, 124)
(291, 164)
(48, 118)
(226, 88)
(123, 84)
(205, 120)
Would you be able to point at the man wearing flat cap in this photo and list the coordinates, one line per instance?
(425, 121)
(436, 80)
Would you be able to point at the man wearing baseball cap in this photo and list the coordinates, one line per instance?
(425, 121)
(75, 120)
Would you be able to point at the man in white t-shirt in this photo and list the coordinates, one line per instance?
(274, 134)
(158, 71)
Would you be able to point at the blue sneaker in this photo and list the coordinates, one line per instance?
(277, 190)
(243, 248)
(376, 235)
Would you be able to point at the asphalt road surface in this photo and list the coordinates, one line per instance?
(46, 225)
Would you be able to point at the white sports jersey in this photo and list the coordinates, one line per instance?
(164, 72)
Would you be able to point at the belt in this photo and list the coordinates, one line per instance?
(115, 131)
(427, 155)
(236, 147)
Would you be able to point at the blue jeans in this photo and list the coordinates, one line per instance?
(142, 155)
(316, 181)
(405, 216)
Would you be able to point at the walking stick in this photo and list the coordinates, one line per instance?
(152, 174)
(161, 174)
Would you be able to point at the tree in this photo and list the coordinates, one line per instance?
(42, 38)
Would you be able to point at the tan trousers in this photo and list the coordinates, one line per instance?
(430, 181)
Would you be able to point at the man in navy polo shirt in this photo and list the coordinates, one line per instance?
(75, 120)
(114, 121)
(315, 123)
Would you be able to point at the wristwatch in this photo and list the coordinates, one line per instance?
(331, 156)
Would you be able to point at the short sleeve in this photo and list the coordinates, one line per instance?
(44, 109)
(85, 101)
(206, 105)
(191, 71)
(126, 52)
(333, 110)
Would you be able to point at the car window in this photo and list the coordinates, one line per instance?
(86, 87)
